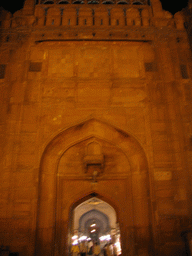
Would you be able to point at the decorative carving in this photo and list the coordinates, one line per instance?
(94, 160)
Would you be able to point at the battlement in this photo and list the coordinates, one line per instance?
(90, 15)
(86, 15)
(89, 19)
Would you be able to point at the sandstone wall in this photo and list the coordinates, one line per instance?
(133, 74)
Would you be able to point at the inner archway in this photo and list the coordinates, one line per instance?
(95, 221)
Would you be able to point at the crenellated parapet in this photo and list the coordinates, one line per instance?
(90, 19)
(55, 13)
(95, 100)
(96, 16)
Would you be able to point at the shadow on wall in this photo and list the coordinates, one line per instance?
(5, 251)
(16, 239)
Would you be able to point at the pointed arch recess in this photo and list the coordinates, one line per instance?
(48, 176)
(96, 214)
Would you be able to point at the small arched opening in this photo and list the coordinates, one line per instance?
(94, 221)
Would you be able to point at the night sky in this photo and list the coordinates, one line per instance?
(170, 5)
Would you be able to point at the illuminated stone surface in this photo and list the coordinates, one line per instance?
(95, 103)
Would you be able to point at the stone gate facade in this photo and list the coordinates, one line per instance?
(95, 91)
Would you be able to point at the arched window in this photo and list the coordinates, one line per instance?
(93, 2)
(48, 2)
(137, 3)
(122, 2)
(78, 2)
(63, 2)
(108, 2)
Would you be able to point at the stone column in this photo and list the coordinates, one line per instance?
(46, 215)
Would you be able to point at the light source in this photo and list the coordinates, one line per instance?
(94, 201)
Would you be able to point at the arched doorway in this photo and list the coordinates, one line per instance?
(93, 157)
(95, 221)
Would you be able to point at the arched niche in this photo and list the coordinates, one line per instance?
(58, 192)
(98, 217)
(94, 201)
(91, 213)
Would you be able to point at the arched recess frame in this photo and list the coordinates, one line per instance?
(82, 198)
(102, 216)
(46, 222)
